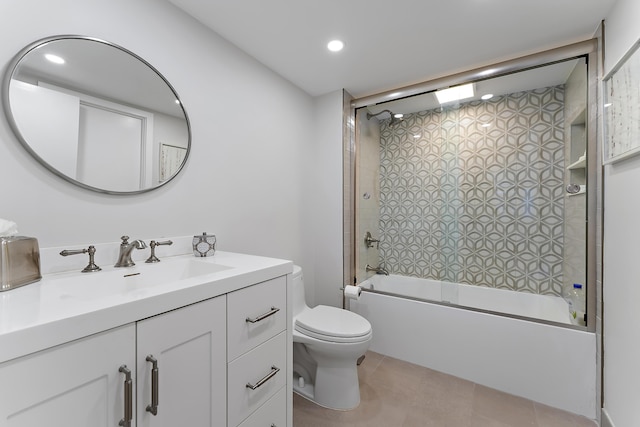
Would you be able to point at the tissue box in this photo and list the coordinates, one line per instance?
(19, 261)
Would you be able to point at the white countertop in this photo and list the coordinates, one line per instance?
(66, 306)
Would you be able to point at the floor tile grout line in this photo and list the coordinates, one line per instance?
(377, 364)
(535, 414)
(540, 416)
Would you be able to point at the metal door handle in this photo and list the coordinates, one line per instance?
(155, 385)
(267, 377)
(128, 397)
(263, 316)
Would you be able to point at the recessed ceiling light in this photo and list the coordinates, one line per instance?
(486, 125)
(487, 96)
(417, 135)
(455, 93)
(54, 58)
(335, 45)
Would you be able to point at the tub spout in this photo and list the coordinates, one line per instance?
(378, 270)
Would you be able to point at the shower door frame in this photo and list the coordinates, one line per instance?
(588, 49)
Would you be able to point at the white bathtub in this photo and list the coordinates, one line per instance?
(543, 307)
(543, 362)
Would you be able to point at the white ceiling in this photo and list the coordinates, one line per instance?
(393, 43)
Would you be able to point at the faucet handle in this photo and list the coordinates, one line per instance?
(125, 240)
(91, 267)
(369, 241)
(153, 244)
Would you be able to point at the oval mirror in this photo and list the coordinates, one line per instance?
(96, 114)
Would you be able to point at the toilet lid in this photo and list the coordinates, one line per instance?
(324, 322)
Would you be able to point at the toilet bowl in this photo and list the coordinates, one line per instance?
(327, 342)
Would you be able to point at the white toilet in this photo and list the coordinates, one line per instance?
(327, 343)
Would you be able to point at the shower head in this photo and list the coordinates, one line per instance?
(395, 118)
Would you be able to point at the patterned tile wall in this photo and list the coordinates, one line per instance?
(484, 205)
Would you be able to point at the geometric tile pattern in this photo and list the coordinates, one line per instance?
(481, 205)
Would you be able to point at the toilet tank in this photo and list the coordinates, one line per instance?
(299, 302)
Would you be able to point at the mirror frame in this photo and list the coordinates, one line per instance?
(6, 103)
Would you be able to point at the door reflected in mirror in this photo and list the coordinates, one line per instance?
(96, 114)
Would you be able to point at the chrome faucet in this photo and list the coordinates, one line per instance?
(378, 270)
(126, 247)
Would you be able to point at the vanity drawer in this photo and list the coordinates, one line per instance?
(272, 413)
(252, 317)
(264, 368)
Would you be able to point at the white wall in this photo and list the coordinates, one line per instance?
(250, 129)
(49, 120)
(323, 203)
(621, 290)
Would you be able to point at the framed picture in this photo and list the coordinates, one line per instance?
(622, 108)
(171, 158)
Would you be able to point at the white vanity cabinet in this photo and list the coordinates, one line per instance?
(257, 354)
(214, 351)
(80, 383)
(72, 385)
(189, 349)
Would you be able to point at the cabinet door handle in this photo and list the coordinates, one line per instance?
(263, 316)
(266, 378)
(128, 397)
(155, 385)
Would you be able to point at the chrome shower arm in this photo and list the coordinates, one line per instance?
(369, 115)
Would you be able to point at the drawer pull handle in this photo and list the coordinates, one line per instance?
(128, 397)
(263, 316)
(155, 385)
(267, 377)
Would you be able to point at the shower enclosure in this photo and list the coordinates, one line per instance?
(493, 188)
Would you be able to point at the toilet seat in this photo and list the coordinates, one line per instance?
(333, 324)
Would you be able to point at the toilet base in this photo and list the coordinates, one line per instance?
(338, 391)
(308, 391)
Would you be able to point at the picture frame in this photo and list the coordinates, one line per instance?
(171, 158)
(621, 108)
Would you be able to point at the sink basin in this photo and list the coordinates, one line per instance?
(132, 281)
(170, 270)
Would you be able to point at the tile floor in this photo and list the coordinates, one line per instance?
(394, 393)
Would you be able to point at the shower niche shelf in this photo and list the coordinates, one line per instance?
(581, 163)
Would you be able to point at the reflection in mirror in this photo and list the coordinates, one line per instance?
(484, 190)
(96, 114)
